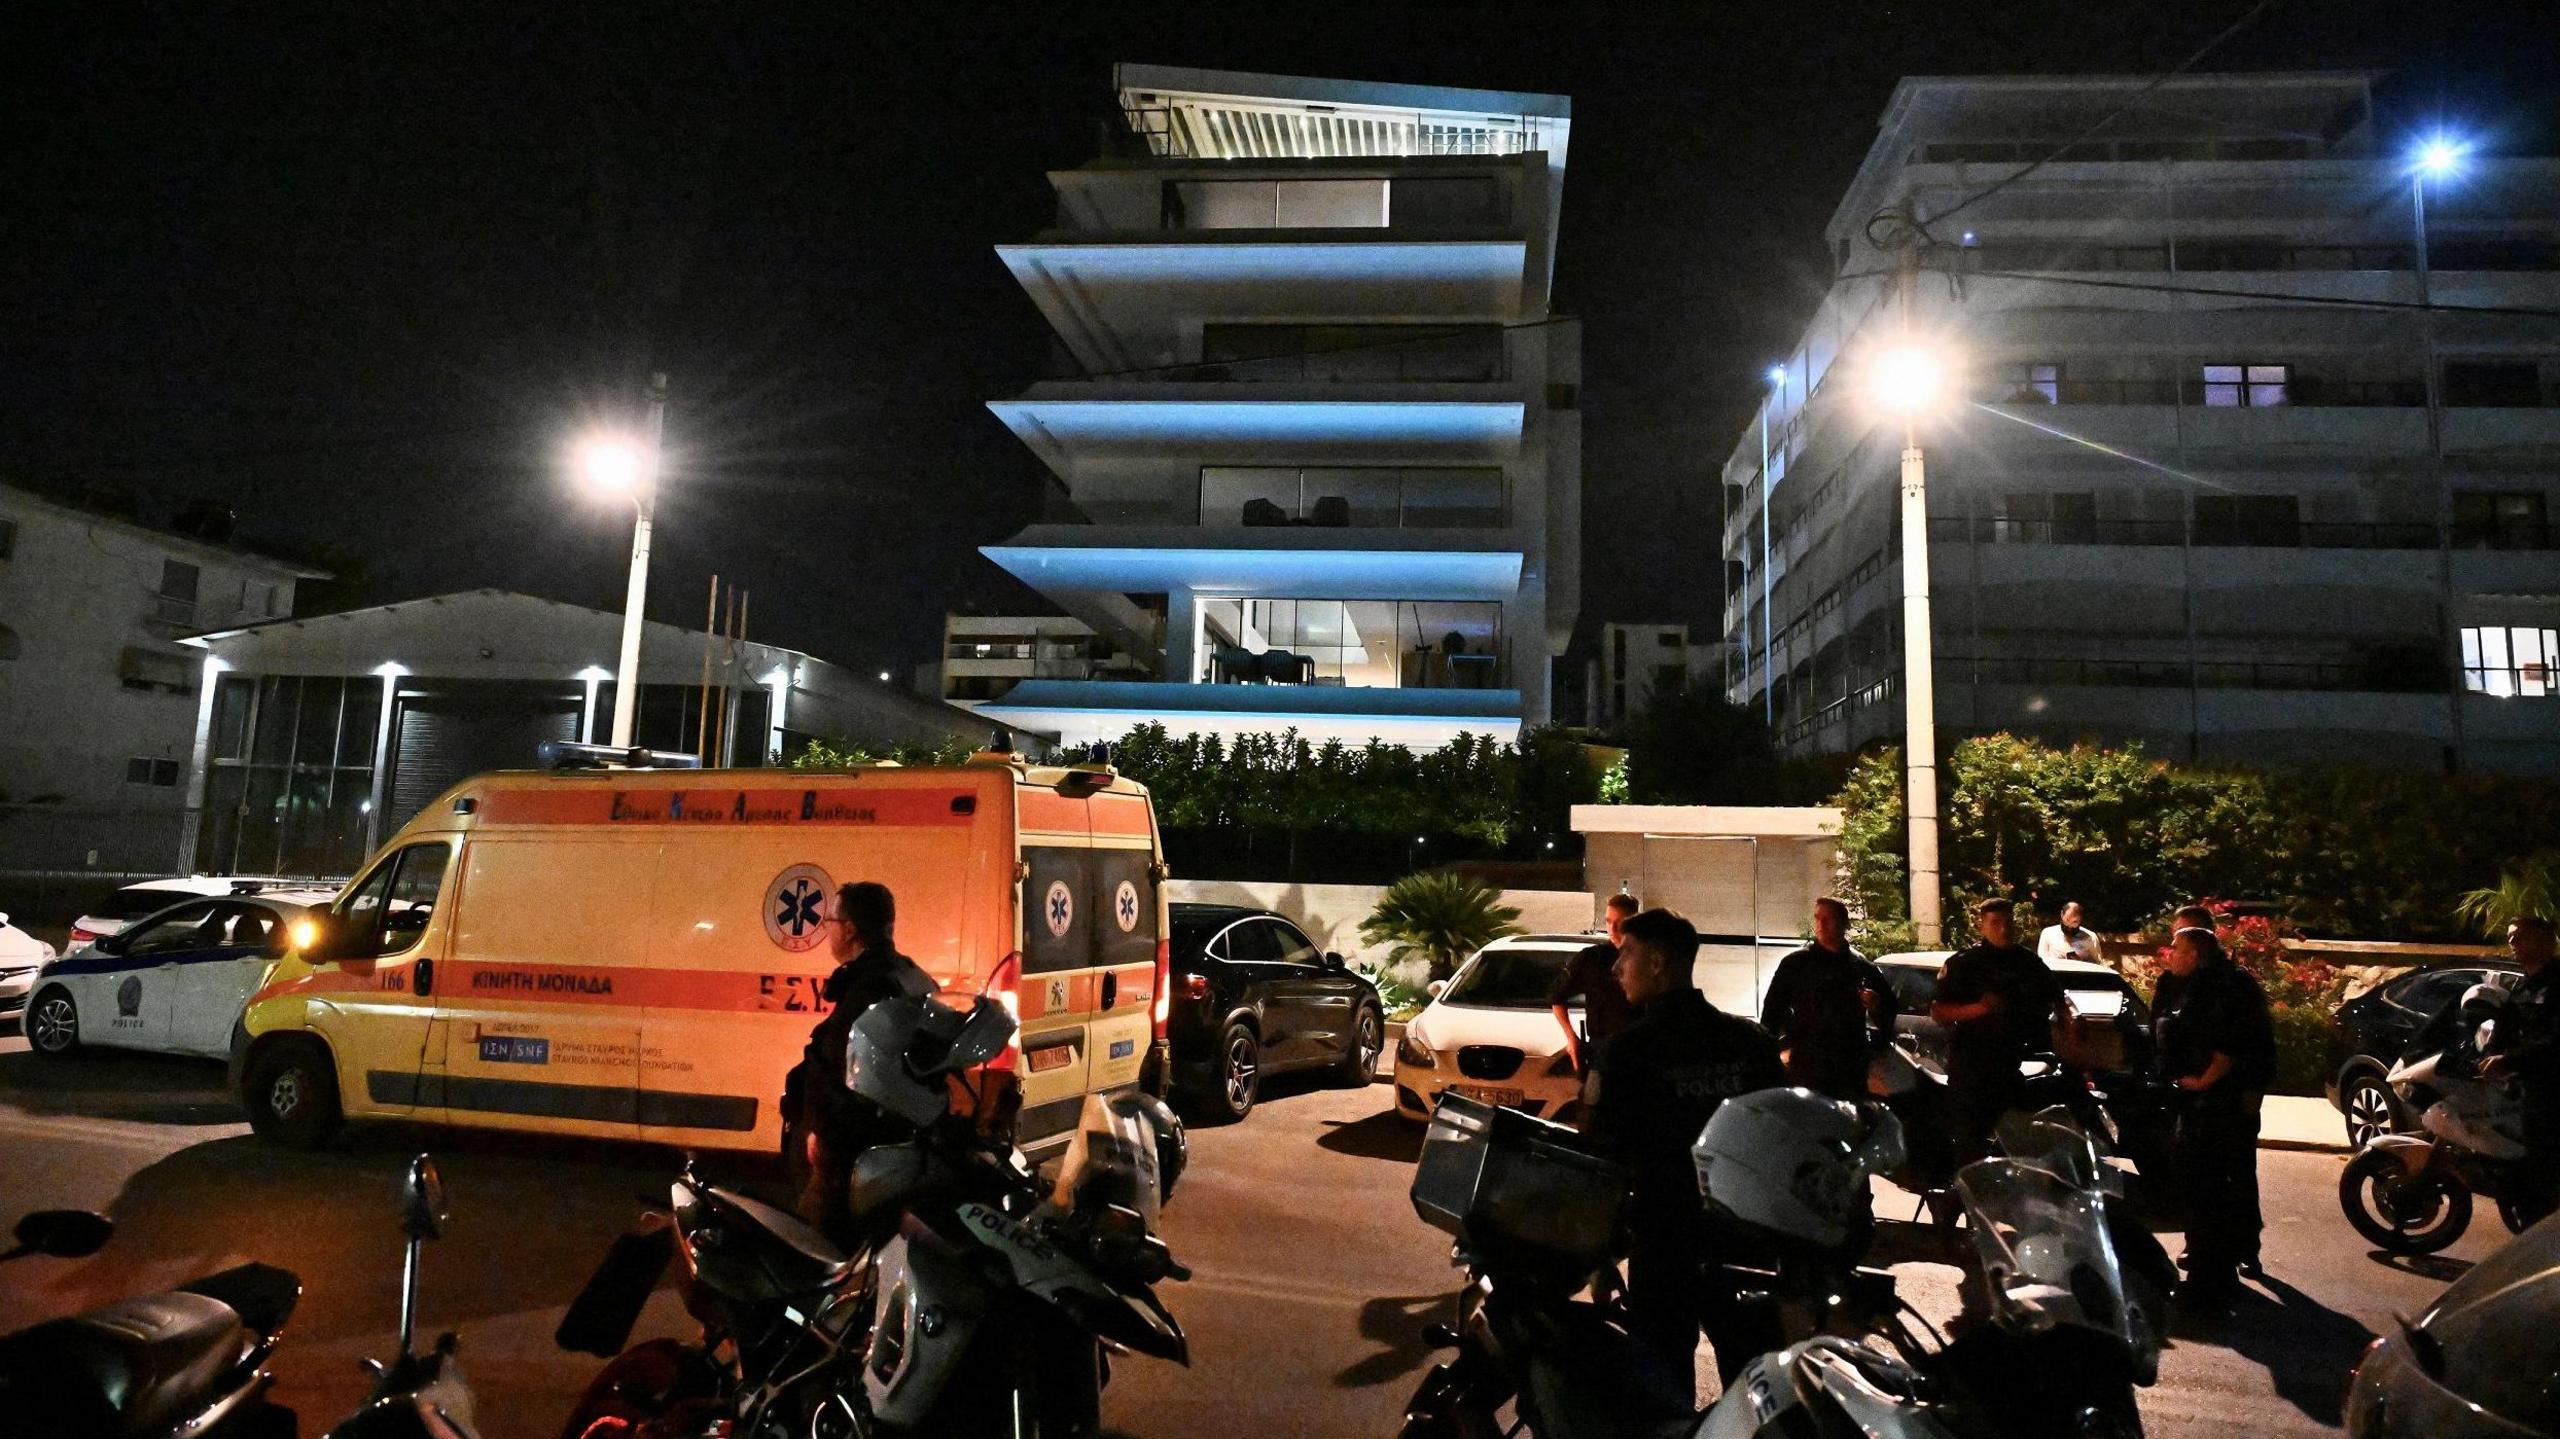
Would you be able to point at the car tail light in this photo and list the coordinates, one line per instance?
(1164, 985)
(1195, 987)
(1005, 987)
(81, 936)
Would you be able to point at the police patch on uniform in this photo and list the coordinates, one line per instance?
(1060, 908)
(795, 908)
(1124, 906)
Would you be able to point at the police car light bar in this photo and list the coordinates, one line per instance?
(569, 754)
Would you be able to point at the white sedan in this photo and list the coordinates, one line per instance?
(21, 954)
(1490, 1033)
(174, 981)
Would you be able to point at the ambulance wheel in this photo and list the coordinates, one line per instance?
(292, 1094)
(1368, 1041)
(52, 1024)
(1237, 1081)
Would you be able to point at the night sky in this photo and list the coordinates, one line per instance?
(362, 277)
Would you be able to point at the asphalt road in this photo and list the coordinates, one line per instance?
(1313, 1283)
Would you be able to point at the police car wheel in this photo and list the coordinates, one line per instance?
(52, 1024)
(292, 1095)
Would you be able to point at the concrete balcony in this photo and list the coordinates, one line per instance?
(1338, 564)
(1070, 424)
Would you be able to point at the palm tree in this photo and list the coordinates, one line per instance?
(2531, 888)
(1440, 917)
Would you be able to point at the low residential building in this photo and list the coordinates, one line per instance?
(1322, 432)
(315, 738)
(2254, 450)
(984, 656)
(97, 697)
(1638, 661)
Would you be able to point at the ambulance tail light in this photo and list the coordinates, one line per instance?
(1164, 985)
(1005, 987)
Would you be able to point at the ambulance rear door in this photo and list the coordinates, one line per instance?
(1129, 916)
(1059, 989)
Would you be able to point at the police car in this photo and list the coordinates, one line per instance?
(172, 981)
(110, 915)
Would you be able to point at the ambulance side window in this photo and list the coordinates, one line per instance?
(1124, 906)
(388, 911)
(1057, 909)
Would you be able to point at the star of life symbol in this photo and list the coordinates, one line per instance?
(1124, 906)
(1061, 907)
(795, 908)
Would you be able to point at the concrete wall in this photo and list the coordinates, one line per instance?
(1331, 913)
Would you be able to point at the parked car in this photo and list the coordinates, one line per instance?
(112, 914)
(2478, 1362)
(21, 954)
(175, 981)
(1490, 1033)
(2110, 1024)
(2369, 1033)
(1252, 996)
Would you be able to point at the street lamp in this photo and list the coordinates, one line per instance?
(1908, 381)
(626, 467)
(2438, 158)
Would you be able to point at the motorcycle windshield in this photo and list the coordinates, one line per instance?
(2045, 1251)
(2053, 1142)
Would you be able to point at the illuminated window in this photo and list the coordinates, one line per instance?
(2510, 661)
(2254, 386)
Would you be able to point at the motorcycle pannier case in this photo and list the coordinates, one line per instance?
(1510, 1186)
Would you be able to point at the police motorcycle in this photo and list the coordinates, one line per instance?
(415, 1395)
(2128, 1117)
(982, 1300)
(2411, 1193)
(2068, 1337)
(189, 1363)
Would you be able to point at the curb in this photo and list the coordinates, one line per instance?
(2305, 1146)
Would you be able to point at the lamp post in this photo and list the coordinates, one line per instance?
(1768, 644)
(628, 466)
(2438, 159)
(1905, 380)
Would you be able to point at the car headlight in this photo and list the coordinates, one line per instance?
(1411, 1050)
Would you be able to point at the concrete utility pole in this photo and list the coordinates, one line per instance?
(626, 678)
(1907, 381)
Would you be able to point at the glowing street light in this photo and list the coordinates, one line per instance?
(626, 467)
(2439, 157)
(1907, 381)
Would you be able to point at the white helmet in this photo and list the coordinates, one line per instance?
(902, 1049)
(1794, 1163)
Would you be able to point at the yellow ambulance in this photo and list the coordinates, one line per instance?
(638, 954)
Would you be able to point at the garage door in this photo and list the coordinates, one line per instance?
(444, 738)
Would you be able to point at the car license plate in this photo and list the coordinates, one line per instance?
(1489, 1093)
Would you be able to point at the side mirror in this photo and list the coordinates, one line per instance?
(63, 1233)
(1332, 960)
(982, 1036)
(422, 1208)
(1434, 987)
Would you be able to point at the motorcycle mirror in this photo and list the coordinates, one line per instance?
(982, 1036)
(64, 1233)
(422, 1207)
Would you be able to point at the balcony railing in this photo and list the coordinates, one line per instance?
(2270, 534)
(2301, 392)
(2393, 674)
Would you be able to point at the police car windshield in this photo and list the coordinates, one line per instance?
(1509, 979)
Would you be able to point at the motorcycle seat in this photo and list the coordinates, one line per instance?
(138, 1366)
(793, 1257)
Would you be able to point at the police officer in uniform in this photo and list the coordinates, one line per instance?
(2216, 1043)
(1826, 1004)
(832, 1124)
(1652, 1088)
(2526, 1048)
(1997, 1001)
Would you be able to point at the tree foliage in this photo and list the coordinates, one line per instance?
(2337, 851)
(1691, 745)
(1441, 918)
(846, 753)
(2528, 889)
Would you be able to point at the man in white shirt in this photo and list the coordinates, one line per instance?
(2068, 940)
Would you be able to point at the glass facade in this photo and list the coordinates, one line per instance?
(290, 788)
(1356, 644)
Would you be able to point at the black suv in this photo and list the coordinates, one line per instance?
(1252, 996)
(2370, 1033)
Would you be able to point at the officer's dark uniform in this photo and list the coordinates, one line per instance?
(1590, 977)
(1983, 1055)
(815, 1099)
(2218, 1009)
(1654, 1086)
(1818, 1008)
(2528, 1034)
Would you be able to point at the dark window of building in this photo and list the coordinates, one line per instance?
(2255, 386)
(2075, 519)
(158, 773)
(1350, 353)
(2514, 384)
(178, 592)
(2515, 520)
(2267, 520)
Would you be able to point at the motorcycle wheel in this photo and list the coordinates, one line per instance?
(2399, 1211)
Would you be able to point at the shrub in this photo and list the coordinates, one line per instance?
(2530, 889)
(1403, 986)
(1439, 919)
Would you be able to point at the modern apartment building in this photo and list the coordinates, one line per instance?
(1638, 661)
(2252, 457)
(1320, 434)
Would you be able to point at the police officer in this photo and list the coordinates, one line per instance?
(835, 1125)
(2215, 1042)
(1590, 979)
(2526, 1048)
(1826, 1004)
(1997, 1002)
(1652, 1088)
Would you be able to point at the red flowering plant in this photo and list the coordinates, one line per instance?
(2256, 944)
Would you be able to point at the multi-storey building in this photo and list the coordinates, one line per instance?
(985, 656)
(1636, 662)
(2254, 449)
(1321, 433)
